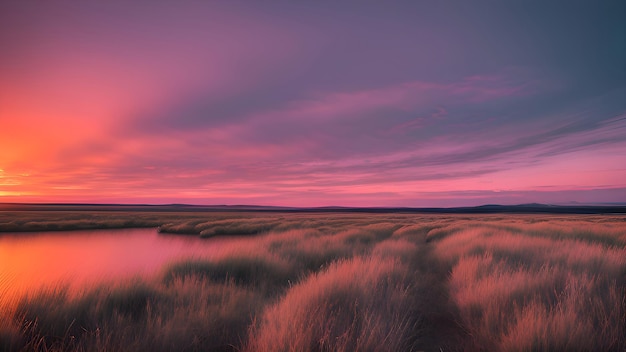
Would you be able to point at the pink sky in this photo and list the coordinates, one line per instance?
(311, 105)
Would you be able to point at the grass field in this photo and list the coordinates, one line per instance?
(345, 282)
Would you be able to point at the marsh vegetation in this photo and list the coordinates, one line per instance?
(347, 282)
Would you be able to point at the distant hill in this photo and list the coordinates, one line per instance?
(532, 208)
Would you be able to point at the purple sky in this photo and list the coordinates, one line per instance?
(400, 103)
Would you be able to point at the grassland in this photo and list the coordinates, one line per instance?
(345, 282)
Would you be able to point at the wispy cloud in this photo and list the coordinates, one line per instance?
(309, 103)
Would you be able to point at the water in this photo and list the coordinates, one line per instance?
(31, 261)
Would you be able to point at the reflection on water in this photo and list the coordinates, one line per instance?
(29, 261)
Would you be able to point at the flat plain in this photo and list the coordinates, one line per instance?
(342, 281)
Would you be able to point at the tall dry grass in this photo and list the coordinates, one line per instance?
(523, 292)
(361, 304)
(369, 282)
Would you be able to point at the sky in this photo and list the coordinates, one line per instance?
(394, 103)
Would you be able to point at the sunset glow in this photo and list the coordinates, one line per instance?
(280, 103)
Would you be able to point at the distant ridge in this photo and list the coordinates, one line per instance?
(531, 208)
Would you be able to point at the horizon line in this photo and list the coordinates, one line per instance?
(576, 208)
